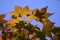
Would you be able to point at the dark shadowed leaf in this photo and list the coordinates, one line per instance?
(55, 38)
(2, 16)
(43, 10)
(47, 28)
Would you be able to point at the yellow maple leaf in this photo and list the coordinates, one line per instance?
(14, 13)
(19, 19)
(29, 18)
(21, 11)
(46, 15)
(33, 16)
(12, 22)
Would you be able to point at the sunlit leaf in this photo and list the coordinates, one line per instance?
(26, 8)
(45, 20)
(13, 22)
(46, 15)
(14, 13)
(22, 11)
(18, 8)
(29, 18)
(33, 16)
(27, 11)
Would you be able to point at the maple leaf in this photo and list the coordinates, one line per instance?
(2, 21)
(19, 11)
(39, 14)
(56, 30)
(12, 23)
(23, 11)
(46, 15)
(1, 18)
(14, 14)
(33, 16)
(47, 28)
(43, 10)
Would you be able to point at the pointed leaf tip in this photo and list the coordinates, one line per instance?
(26, 8)
(18, 8)
(43, 10)
(47, 15)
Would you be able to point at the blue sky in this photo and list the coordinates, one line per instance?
(53, 6)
